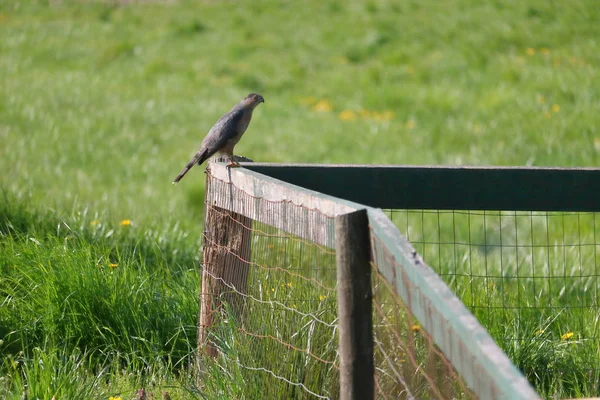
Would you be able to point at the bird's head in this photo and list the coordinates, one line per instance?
(254, 99)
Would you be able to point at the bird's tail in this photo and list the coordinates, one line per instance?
(199, 158)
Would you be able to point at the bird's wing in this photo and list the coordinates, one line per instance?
(224, 130)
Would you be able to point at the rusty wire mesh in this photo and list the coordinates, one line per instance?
(269, 311)
(531, 278)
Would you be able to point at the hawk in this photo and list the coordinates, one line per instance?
(225, 134)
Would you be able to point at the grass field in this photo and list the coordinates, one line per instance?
(101, 105)
(530, 278)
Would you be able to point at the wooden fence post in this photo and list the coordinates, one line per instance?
(226, 258)
(355, 324)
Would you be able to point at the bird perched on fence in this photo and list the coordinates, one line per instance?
(225, 134)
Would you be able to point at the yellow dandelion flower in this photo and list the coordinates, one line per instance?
(289, 284)
(541, 99)
(310, 100)
(365, 113)
(530, 51)
(545, 51)
(410, 124)
(115, 398)
(577, 61)
(126, 222)
(382, 116)
(415, 328)
(272, 289)
(555, 108)
(322, 297)
(567, 336)
(94, 222)
(387, 115)
(113, 265)
(539, 332)
(322, 106)
(347, 115)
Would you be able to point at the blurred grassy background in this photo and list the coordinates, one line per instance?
(101, 104)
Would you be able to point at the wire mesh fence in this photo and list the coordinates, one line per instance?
(409, 364)
(269, 310)
(272, 310)
(531, 278)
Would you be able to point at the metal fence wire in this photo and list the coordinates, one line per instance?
(408, 363)
(531, 278)
(268, 310)
(272, 309)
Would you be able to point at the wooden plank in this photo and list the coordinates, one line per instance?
(272, 202)
(448, 187)
(355, 299)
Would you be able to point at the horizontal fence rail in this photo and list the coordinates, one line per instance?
(410, 299)
(283, 198)
(448, 188)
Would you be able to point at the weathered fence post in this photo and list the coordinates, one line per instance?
(353, 259)
(226, 259)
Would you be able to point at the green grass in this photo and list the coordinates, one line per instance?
(102, 104)
(115, 304)
(530, 278)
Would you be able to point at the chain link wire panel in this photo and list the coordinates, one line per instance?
(531, 278)
(268, 317)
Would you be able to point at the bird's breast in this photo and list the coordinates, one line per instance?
(242, 125)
